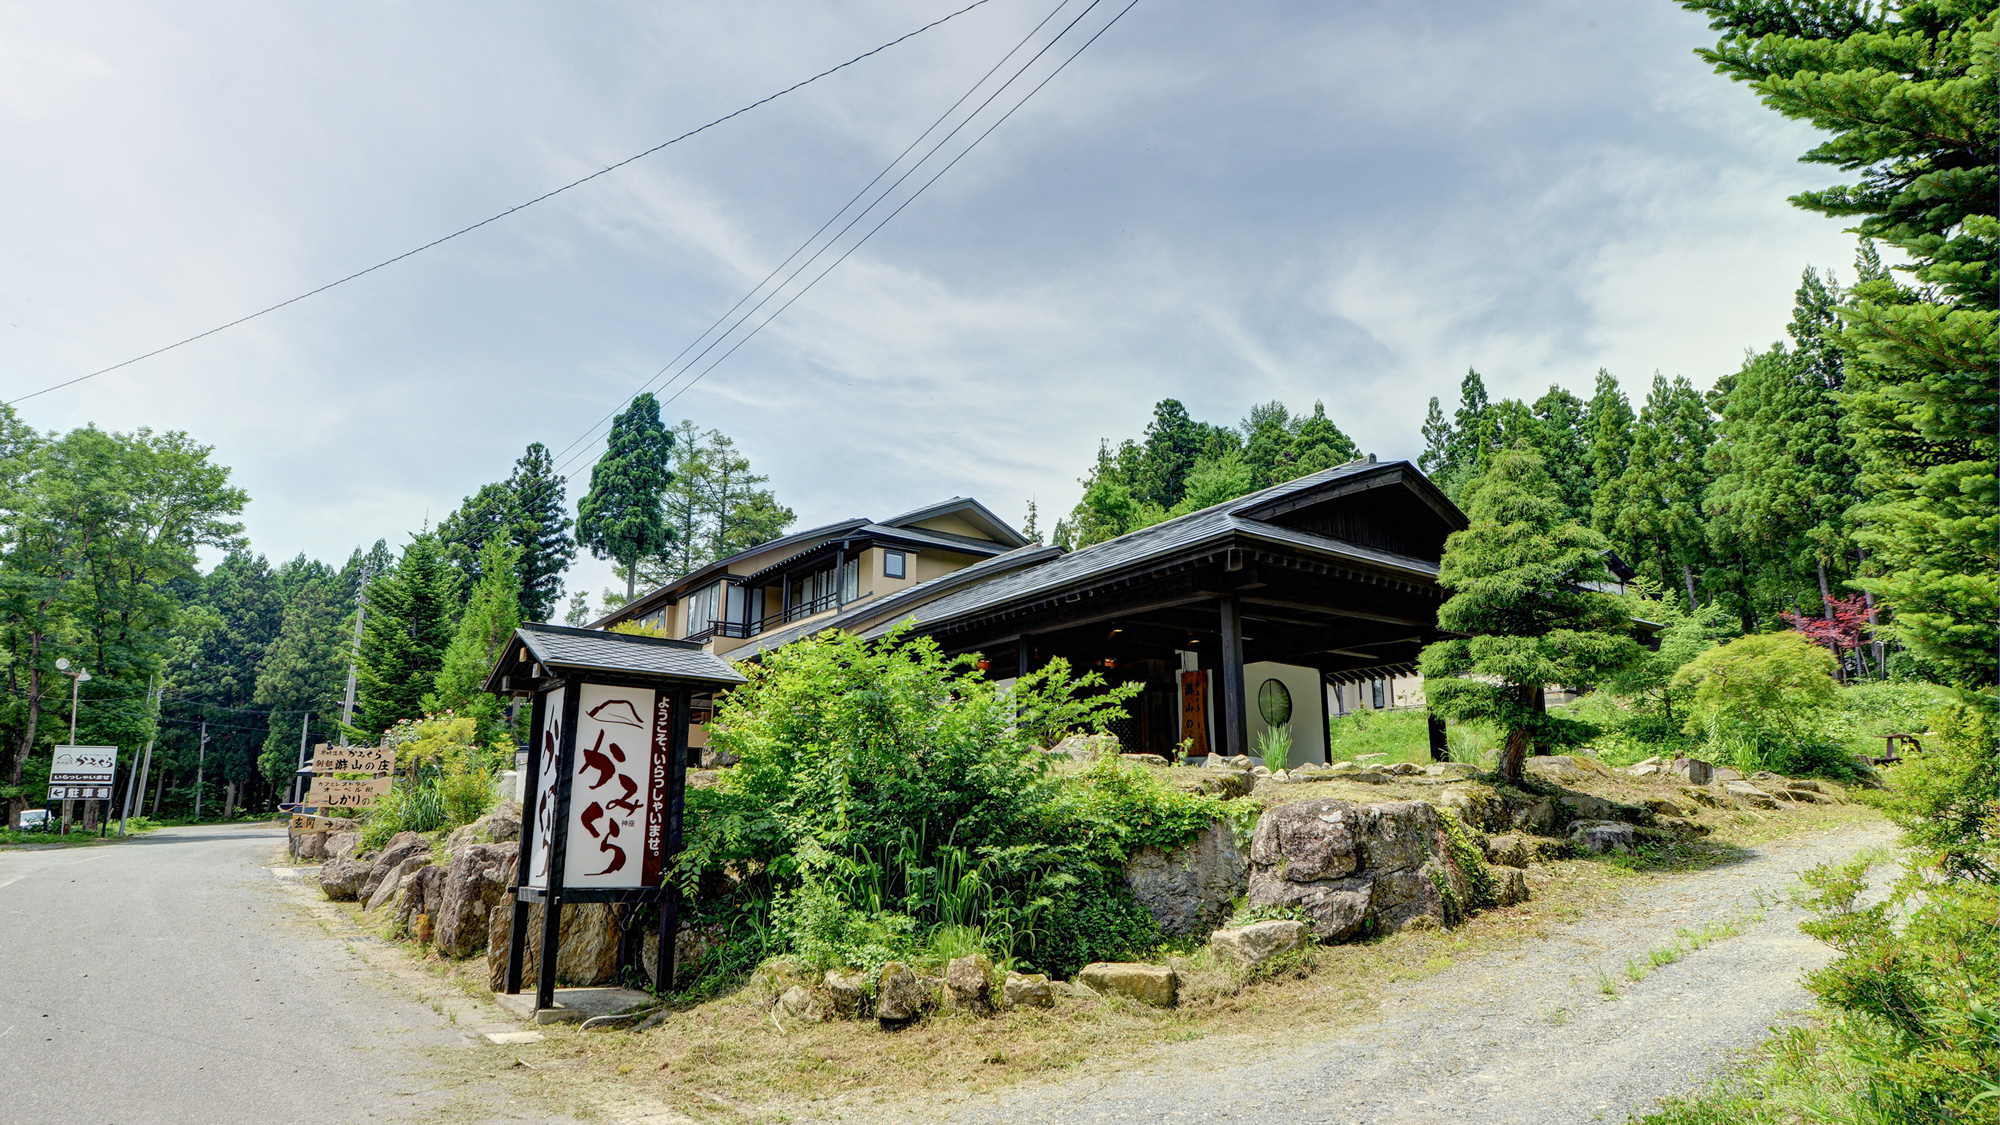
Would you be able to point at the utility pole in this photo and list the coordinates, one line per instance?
(354, 653)
(135, 786)
(76, 679)
(201, 759)
(303, 723)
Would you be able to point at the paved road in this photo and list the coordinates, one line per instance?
(171, 979)
(1522, 1038)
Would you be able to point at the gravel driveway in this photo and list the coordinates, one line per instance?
(1525, 1036)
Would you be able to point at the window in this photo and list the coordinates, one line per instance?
(703, 609)
(850, 580)
(1376, 685)
(895, 564)
(1274, 703)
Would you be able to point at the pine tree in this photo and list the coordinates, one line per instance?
(1173, 443)
(1437, 441)
(1907, 93)
(1268, 443)
(484, 516)
(1657, 523)
(1609, 420)
(1320, 444)
(304, 670)
(1518, 575)
(620, 517)
(740, 514)
(1562, 437)
(492, 614)
(541, 533)
(412, 614)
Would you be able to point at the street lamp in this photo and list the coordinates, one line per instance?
(76, 679)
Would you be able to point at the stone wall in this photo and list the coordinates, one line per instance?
(1193, 888)
(1356, 869)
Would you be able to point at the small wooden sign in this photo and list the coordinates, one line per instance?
(333, 793)
(302, 822)
(378, 760)
(1194, 712)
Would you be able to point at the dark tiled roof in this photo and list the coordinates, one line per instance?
(557, 647)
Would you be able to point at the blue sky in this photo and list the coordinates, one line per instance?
(1223, 203)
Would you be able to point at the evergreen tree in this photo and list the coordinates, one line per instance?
(1656, 501)
(714, 505)
(1437, 441)
(1319, 444)
(303, 671)
(1173, 443)
(1471, 435)
(492, 614)
(412, 615)
(1268, 443)
(620, 517)
(1518, 576)
(541, 533)
(1609, 420)
(484, 516)
(1906, 91)
(1562, 437)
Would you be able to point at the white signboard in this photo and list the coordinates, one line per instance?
(82, 773)
(545, 786)
(618, 788)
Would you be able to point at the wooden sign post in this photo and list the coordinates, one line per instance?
(607, 761)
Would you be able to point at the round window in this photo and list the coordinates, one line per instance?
(1274, 702)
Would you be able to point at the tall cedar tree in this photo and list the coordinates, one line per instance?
(303, 672)
(715, 505)
(1609, 420)
(1656, 502)
(620, 517)
(492, 614)
(1517, 575)
(1907, 91)
(541, 532)
(412, 613)
(1783, 476)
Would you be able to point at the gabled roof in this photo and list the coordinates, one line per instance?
(563, 650)
(969, 510)
(645, 603)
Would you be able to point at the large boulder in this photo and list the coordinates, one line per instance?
(900, 996)
(586, 951)
(417, 901)
(1028, 990)
(1748, 794)
(1258, 942)
(340, 877)
(401, 846)
(691, 945)
(1157, 985)
(1349, 867)
(968, 984)
(496, 827)
(1603, 837)
(478, 879)
(385, 890)
(312, 845)
(1191, 889)
(1087, 747)
(848, 993)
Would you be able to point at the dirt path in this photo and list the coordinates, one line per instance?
(1526, 1036)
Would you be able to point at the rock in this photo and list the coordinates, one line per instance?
(968, 984)
(1157, 985)
(312, 845)
(1224, 783)
(1679, 827)
(1240, 761)
(1368, 777)
(1603, 837)
(1457, 770)
(1282, 776)
(1536, 817)
(1586, 806)
(421, 893)
(386, 888)
(1028, 990)
(1153, 760)
(1693, 770)
(1087, 747)
(1347, 866)
(1652, 761)
(796, 1002)
(1192, 889)
(1644, 769)
(480, 877)
(1725, 774)
(775, 976)
(848, 993)
(691, 946)
(1403, 769)
(1748, 794)
(340, 877)
(401, 846)
(899, 996)
(1807, 785)
(496, 827)
(1259, 772)
(1343, 767)
(1510, 886)
(1258, 942)
(1664, 807)
(1700, 797)
(587, 947)
(1477, 805)
(1511, 850)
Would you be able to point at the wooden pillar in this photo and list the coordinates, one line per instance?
(670, 895)
(517, 934)
(545, 965)
(1235, 718)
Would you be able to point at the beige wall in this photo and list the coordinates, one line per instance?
(952, 525)
(1308, 723)
(935, 564)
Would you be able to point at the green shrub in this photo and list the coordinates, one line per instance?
(1765, 702)
(1094, 918)
(1118, 808)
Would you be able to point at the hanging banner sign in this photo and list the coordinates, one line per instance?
(1194, 712)
(333, 793)
(378, 760)
(618, 787)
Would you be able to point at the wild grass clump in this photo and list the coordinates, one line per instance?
(444, 779)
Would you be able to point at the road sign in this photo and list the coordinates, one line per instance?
(301, 822)
(83, 765)
(79, 792)
(333, 793)
(378, 760)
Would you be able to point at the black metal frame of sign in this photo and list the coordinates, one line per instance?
(541, 661)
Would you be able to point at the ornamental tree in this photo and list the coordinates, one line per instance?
(1528, 616)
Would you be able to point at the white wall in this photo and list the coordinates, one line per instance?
(1308, 724)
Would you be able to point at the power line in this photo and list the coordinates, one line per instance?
(890, 167)
(503, 214)
(899, 208)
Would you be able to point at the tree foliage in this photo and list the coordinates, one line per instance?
(620, 517)
(412, 613)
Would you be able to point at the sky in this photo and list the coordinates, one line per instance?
(1224, 203)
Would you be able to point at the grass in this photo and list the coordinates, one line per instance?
(1798, 1075)
(1404, 736)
